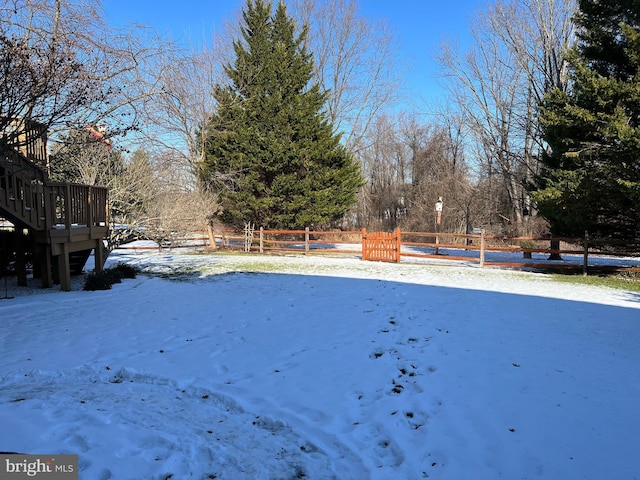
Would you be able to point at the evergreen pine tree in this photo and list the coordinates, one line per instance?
(270, 145)
(591, 172)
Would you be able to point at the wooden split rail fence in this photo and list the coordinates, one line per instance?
(484, 249)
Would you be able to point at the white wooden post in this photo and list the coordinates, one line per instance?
(439, 204)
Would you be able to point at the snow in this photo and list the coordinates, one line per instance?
(264, 367)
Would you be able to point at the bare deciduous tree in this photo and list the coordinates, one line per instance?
(167, 210)
(408, 166)
(385, 162)
(356, 61)
(174, 215)
(176, 116)
(438, 170)
(63, 67)
(516, 57)
(85, 82)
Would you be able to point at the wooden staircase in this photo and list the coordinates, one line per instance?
(52, 221)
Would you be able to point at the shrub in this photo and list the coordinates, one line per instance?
(105, 279)
(125, 270)
(98, 281)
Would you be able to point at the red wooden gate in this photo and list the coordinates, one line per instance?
(381, 246)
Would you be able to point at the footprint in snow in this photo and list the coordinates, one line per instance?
(416, 420)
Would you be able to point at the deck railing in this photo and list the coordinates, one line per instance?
(71, 205)
(27, 196)
(21, 189)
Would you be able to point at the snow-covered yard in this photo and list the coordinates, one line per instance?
(324, 368)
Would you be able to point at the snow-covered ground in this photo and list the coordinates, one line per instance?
(208, 367)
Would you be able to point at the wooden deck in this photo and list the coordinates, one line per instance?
(52, 220)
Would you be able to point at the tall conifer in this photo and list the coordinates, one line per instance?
(591, 172)
(271, 147)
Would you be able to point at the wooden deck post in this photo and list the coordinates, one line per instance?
(46, 274)
(98, 256)
(64, 269)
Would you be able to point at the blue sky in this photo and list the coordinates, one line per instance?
(419, 26)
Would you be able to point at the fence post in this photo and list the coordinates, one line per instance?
(261, 239)
(306, 240)
(398, 244)
(482, 247)
(585, 262)
(364, 246)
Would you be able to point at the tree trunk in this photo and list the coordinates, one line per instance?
(555, 245)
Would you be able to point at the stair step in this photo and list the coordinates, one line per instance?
(77, 261)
